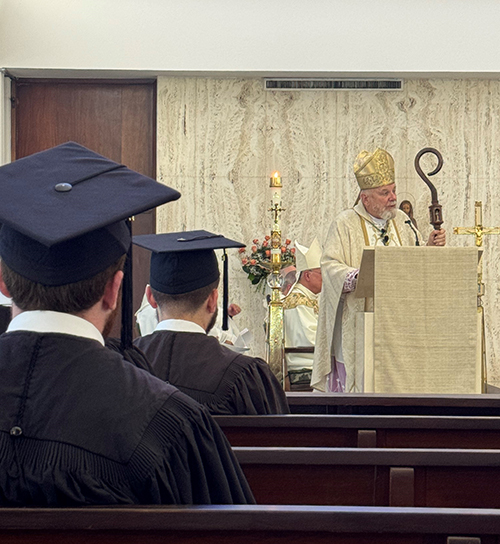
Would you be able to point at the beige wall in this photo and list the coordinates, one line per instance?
(273, 36)
(219, 140)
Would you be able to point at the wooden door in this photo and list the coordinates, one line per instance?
(115, 118)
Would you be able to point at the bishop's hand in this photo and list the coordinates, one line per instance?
(437, 238)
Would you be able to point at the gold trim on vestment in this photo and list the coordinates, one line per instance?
(298, 299)
(397, 231)
(365, 232)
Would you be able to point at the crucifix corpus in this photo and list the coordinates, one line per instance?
(479, 231)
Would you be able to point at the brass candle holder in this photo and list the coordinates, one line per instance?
(275, 336)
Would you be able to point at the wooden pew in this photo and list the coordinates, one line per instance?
(247, 525)
(370, 403)
(373, 476)
(350, 431)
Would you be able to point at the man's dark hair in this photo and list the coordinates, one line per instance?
(71, 298)
(187, 303)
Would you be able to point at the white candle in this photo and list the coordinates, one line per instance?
(276, 198)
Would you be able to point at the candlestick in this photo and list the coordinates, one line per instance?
(276, 342)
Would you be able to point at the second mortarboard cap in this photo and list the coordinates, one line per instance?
(182, 262)
(63, 209)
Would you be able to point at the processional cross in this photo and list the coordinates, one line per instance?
(479, 231)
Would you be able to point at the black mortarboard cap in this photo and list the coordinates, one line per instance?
(182, 262)
(63, 209)
(63, 212)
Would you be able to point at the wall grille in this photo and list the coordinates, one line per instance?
(333, 84)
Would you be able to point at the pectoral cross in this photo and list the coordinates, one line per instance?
(478, 230)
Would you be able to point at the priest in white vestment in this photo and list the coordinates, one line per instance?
(301, 311)
(374, 220)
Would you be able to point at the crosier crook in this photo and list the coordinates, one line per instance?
(435, 208)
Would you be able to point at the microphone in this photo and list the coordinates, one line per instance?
(410, 224)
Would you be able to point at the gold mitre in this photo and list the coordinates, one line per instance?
(374, 169)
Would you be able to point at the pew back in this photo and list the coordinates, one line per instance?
(373, 476)
(248, 524)
(349, 431)
(373, 403)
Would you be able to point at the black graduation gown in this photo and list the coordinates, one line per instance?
(223, 380)
(79, 425)
(4, 318)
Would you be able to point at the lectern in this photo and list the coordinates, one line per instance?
(421, 333)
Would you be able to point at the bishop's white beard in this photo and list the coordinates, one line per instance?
(389, 214)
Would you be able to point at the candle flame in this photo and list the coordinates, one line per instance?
(276, 180)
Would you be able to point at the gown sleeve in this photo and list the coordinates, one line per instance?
(197, 466)
(251, 389)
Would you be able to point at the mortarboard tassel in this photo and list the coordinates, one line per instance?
(127, 294)
(225, 291)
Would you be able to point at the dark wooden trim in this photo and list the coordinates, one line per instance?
(13, 120)
(360, 421)
(271, 519)
(362, 431)
(307, 349)
(371, 403)
(367, 456)
(367, 399)
(86, 81)
(367, 477)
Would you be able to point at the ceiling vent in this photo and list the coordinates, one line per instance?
(333, 84)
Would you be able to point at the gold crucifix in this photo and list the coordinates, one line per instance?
(478, 230)
(276, 210)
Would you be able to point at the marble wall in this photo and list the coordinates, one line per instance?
(220, 139)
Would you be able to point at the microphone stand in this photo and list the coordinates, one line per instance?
(410, 224)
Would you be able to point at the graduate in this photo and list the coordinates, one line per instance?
(184, 279)
(80, 425)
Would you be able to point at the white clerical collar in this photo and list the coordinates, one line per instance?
(179, 325)
(57, 322)
(381, 223)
